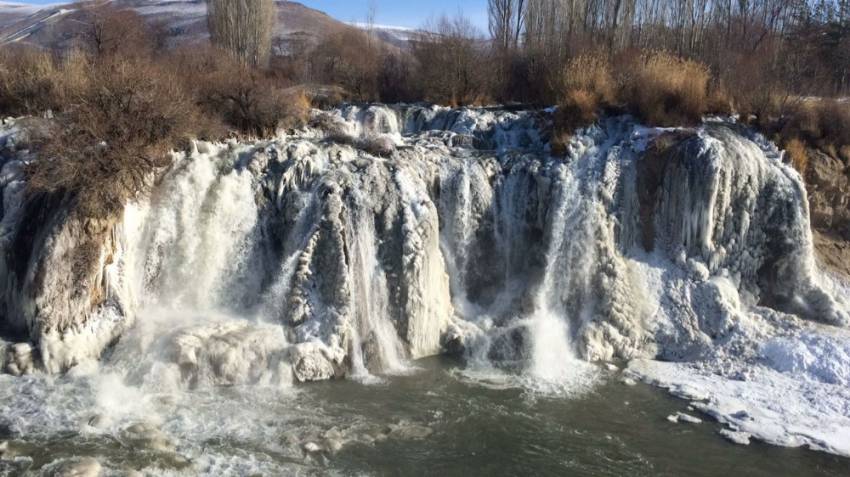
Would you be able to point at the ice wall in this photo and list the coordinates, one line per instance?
(464, 235)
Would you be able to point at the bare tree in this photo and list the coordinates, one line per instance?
(243, 27)
(455, 68)
(111, 31)
(507, 22)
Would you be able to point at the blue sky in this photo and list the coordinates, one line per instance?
(410, 13)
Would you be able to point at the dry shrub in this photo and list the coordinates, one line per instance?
(753, 85)
(454, 68)
(720, 101)
(253, 104)
(797, 155)
(111, 141)
(397, 79)
(252, 101)
(120, 112)
(75, 75)
(113, 31)
(835, 123)
(666, 90)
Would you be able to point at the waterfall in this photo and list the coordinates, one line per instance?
(197, 233)
(469, 239)
(683, 257)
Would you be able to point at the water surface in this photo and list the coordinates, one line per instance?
(432, 422)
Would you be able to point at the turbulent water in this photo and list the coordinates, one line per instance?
(381, 235)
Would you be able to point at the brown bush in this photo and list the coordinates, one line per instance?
(720, 101)
(349, 58)
(114, 137)
(253, 104)
(835, 122)
(252, 101)
(454, 68)
(111, 31)
(583, 88)
(397, 79)
(666, 90)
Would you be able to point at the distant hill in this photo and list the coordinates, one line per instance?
(57, 25)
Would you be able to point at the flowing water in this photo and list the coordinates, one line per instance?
(433, 421)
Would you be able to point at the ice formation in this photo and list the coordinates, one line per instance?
(383, 234)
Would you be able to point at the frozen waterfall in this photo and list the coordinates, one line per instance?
(470, 235)
(306, 257)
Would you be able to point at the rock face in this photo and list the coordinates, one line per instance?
(460, 233)
(828, 182)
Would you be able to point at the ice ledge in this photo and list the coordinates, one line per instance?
(789, 410)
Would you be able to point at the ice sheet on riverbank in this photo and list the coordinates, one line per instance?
(795, 393)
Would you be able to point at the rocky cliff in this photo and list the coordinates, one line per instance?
(828, 183)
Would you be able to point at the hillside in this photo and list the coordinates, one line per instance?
(57, 25)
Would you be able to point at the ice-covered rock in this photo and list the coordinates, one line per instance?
(19, 359)
(682, 417)
(740, 438)
(230, 353)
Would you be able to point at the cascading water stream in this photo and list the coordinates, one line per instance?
(373, 334)
(274, 300)
(552, 357)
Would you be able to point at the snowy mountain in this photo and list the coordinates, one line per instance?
(57, 25)
(394, 35)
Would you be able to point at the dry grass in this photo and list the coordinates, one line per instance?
(798, 155)
(578, 109)
(659, 88)
(584, 87)
(666, 90)
(591, 74)
(29, 82)
(822, 124)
